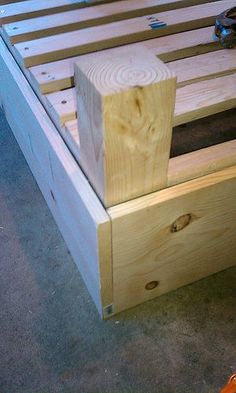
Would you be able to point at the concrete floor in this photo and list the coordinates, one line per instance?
(51, 338)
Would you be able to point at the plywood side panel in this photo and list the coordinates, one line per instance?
(81, 218)
(173, 237)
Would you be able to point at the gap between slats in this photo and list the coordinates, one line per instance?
(61, 22)
(204, 87)
(91, 39)
(59, 75)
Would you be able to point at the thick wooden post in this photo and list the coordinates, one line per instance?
(125, 106)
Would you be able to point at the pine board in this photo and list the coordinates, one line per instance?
(69, 44)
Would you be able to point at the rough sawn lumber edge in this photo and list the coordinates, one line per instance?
(77, 211)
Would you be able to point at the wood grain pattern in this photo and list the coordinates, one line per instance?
(190, 70)
(201, 162)
(91, 39)
(147, 246)
(151, 251)
(80, 216)
(90, 16)
(182, 168)
(206, 66)
(2, 2)
(61, 106)
(58, 75)
(204, 99)
(32, 8)
(193, 101)
(124, 139)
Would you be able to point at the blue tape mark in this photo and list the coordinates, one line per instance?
(157, 25)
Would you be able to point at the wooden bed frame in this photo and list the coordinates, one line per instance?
(137, 222)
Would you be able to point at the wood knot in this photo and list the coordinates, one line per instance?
(151, 285)
(181, 223)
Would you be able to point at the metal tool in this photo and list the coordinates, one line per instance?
(225, 28)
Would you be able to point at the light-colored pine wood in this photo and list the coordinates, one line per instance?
(201, 162)
(90, 16)
(3, 2)
(58, 75)
(147, 246)
(71, 137)
(203, 67)
(193, 101)
(47, 49)
(80, 216)
(204, 99)
(124, 139)
(189, 70)
(61, 106)
(182, 168)
(173, 237)
(33, 8)
(192, 69)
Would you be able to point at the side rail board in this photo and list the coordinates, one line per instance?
(81, 218)
(173, 237)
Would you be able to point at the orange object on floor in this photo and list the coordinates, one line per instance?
(231, 385)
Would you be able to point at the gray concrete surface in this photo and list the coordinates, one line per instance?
(51, 339)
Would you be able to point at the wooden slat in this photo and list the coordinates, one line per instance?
(204, 99)
(33, 8)
(152, 251)
(3, 2)
(89, 16)
(206, 66)
(201, 162)
(193, 102)
(59, 75)
(181, 168)
(113, 34)
(71, 137)
(61, 106)
(218, 93)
